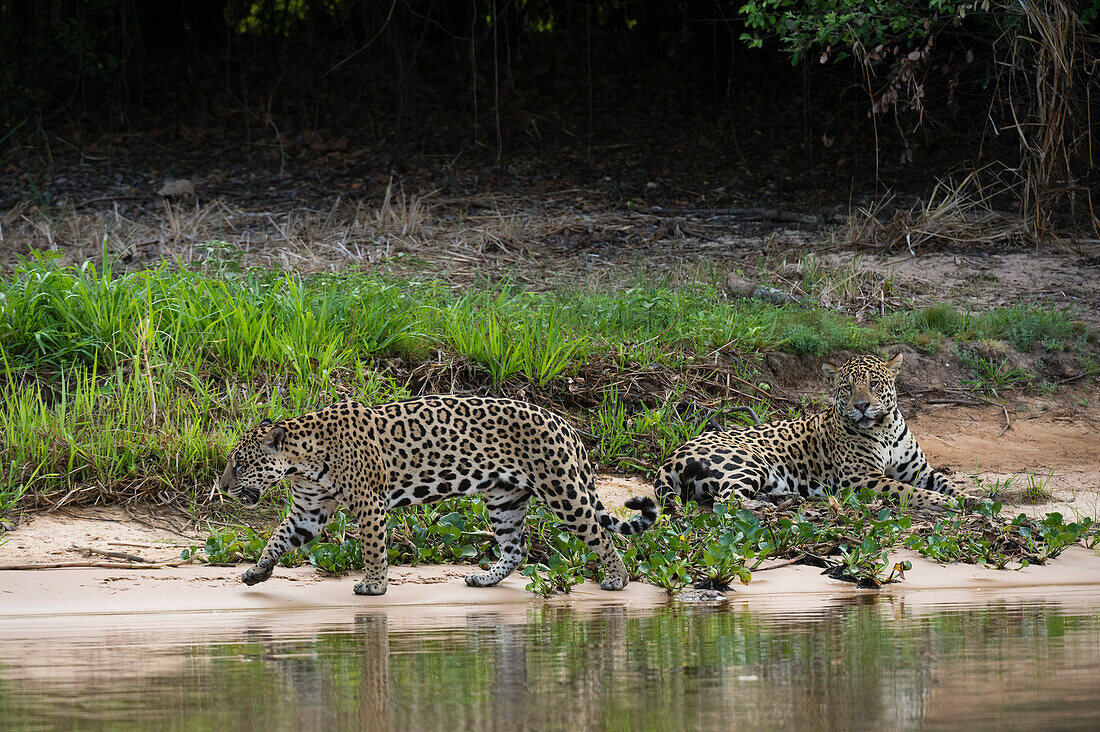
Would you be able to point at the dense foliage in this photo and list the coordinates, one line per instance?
(932, 75)
(62, 50)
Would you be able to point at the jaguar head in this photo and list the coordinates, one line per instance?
(256, 463)
(864, 389)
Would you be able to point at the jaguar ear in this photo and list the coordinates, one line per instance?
(274, 439)
(894, 364)
(829, 370)
(265, 421)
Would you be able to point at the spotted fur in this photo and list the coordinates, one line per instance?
(373, 459)
(860, 441)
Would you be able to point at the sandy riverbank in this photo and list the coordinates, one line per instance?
(93, 591)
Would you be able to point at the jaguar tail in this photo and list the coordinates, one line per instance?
(636, 525)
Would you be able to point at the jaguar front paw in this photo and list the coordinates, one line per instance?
(256, 575)
(482, 579)
(613, 583)
(971, 504)
(370, 588)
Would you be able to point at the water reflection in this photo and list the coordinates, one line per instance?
(854, 666)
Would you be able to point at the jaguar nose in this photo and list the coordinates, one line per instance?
(862, 407)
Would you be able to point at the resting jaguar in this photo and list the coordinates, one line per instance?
(372, 459)
(860, 441)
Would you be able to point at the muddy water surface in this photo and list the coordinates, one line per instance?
(860, 663)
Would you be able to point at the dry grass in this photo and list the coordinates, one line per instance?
(458, 239)
(1046, 88)
(850, 287)
(1045, 74)
(302, 239)
(833, 280)
(956, 215)
(403, 218)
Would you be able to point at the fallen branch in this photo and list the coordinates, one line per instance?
(978, 401)
(745, 214)
(787, 563)
(1008, 422)
(112, 554)
(94, 565)
(146, 546)
(1076, 377)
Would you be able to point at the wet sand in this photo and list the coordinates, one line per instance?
(431, 590)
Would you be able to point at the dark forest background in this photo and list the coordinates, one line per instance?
(806, 102)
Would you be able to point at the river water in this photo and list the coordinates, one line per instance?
(866, 662)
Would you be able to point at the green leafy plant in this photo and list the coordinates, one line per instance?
(558, 575)
(667, 570)
(864, 562)
(711, 549)
(233, 545)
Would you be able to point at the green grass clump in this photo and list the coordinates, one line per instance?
(1028, 326)
(136, 383)
(991, 373)
(643, 438)
(820, 332)
(63, 318)
(940, 319)
(508, 334)
(1024, 326)
(127, 432)
(254, 323)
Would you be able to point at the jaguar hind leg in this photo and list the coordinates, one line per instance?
(686, 478)
(507, 510)
(697, 478)
(902, 493)
(741, 482)
(581, 516)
